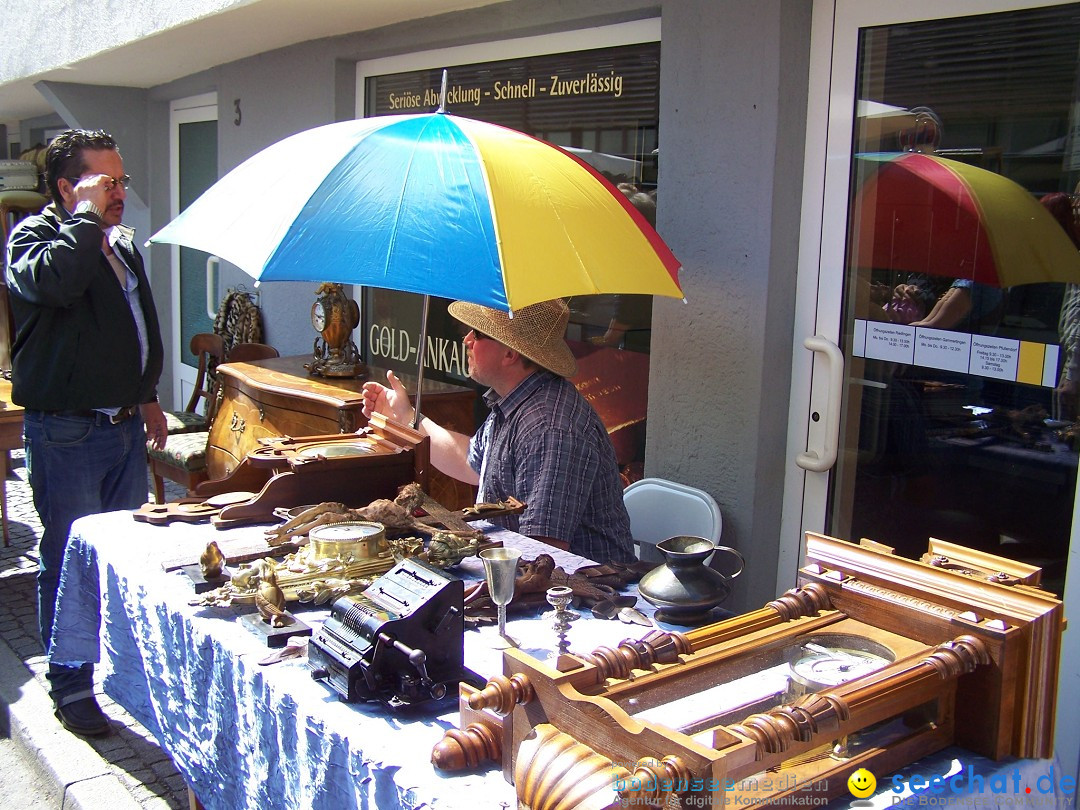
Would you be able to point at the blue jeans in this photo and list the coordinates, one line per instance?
(77, 466)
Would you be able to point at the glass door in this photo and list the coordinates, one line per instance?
(935, 388)
(194, 168)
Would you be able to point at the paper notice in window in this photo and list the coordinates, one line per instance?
(994, 357)
(938, 348)
(999, 358)
(888, 341)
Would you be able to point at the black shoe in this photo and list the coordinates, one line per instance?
(83, 717)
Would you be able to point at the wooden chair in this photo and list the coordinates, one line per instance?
(197, 415)
(183, 459)
(247, 352)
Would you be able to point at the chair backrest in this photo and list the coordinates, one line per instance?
(660, 509)
(210, 350)
(246, 352)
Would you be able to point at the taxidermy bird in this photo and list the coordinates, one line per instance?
(212, 561)
(270, 600)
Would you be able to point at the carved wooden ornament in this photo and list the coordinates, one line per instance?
(873, 661)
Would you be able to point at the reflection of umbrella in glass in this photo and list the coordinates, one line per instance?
(876, 121)
(432, 204)
(614, 165)
(920, 213)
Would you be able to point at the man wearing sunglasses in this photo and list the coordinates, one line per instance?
(541, 443)
(85, 366)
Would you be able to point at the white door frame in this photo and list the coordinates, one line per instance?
(189, 110)
(819, 295)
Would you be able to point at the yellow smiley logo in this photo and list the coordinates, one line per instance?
(861, 783)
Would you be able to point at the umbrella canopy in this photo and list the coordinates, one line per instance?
(433, 204)
(921, 213)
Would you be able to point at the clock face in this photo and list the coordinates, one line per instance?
(318, 316)
(825, 661)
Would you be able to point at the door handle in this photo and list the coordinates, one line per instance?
(212, 263)
(821, 460)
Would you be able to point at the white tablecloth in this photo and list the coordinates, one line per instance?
(248, 736)
(245, 735)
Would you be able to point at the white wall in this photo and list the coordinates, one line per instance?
(31, 47)
(732, 127)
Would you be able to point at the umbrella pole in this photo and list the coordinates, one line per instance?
(420, 361)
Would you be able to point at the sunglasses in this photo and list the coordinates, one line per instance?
(478, 335)
(124, 181)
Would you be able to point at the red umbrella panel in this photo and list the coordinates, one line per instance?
(920, 213)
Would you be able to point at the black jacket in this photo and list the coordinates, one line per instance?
(76, 343)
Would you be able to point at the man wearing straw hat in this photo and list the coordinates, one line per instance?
(541, 443)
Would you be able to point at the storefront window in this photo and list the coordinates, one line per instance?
(603, 105)
(961, 305)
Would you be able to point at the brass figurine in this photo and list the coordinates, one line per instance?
(270, 600)
(446, 549)
(212, 561)
(402, 547)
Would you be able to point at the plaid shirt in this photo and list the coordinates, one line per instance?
(545, 445)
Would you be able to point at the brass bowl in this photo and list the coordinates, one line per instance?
(349, 540)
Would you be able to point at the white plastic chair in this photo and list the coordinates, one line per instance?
(660, 509)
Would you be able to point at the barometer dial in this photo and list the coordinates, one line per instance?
(823, 663)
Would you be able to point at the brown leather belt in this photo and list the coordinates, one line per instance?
(122, 415)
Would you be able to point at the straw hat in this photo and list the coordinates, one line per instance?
(537, 331)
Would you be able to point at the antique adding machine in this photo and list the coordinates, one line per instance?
(873, 661)
(401, 641)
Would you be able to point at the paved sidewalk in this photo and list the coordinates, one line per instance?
(123, 771)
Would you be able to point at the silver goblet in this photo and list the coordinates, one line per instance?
(500, 570)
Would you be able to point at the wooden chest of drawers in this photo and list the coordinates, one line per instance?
(277, 397)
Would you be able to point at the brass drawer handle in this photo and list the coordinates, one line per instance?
(237, 425)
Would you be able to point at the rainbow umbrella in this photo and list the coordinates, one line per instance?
(432, 204)
(921, 213)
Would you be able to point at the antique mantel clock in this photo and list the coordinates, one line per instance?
(334, 317)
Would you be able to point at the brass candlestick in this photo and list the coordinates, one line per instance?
(559, 597)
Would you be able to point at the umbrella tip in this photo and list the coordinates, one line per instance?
(442, 91)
